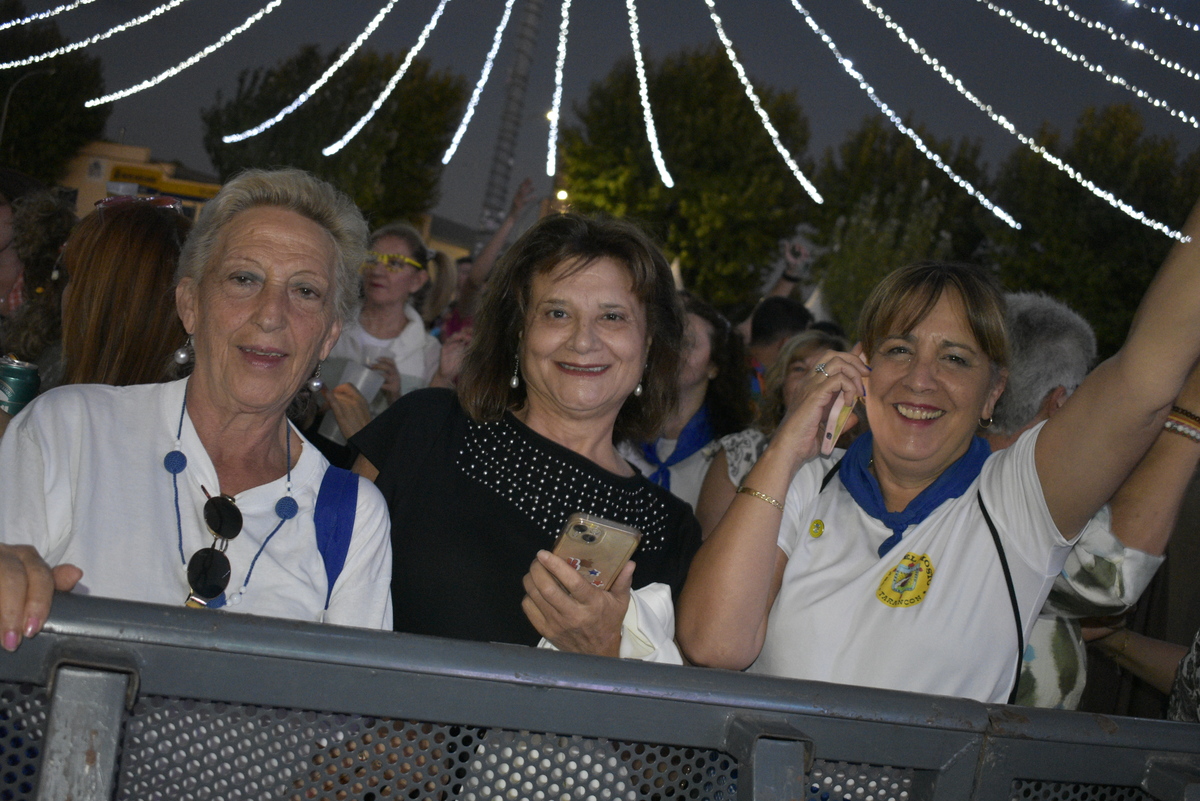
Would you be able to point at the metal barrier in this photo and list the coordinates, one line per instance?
(131, 701)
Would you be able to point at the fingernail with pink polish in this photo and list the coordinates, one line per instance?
(32, 626)
(11, 640)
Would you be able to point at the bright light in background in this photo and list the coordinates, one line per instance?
(482, 82)
(317, 84)
(91, 40)
(183, 65)
(561, 194)
(387, 90)
(651, 133)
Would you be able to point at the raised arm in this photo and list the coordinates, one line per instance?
(1146, 506)
(733, 580)
(486, 259)
(1086, 451)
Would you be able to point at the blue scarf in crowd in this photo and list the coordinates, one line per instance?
(695, 435)
(864, 488)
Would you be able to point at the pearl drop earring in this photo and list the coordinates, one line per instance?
(184, 354)
(315, 383)
(515, 381)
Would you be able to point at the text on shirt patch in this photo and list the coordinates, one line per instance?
(906, 583)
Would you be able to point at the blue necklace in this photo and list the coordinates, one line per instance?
(286, 508)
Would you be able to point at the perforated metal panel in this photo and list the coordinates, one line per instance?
(1024, 790)
(843, 781)
(187, 751)
(22, 726)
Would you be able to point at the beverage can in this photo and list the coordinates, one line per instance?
(19, 383)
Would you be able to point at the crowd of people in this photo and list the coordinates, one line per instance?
(277, 411)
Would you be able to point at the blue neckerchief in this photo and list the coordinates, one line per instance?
(864, 488)
(695, 435)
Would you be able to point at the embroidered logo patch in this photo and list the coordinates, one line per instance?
(906, 583)
(817, 528)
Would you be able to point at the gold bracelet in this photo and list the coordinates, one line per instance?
(761, 496)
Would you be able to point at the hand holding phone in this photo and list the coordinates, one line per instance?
(596, 548)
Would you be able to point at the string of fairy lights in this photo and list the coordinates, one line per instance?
(1004, 123)
(53, 12)
(554, 116)
(1088, 64)
(1165, 14)
(762, 113)
(482, 82)
(91, 40)
(1117, 36)
(316, 85)
(188, 62)
(887, 111)
(644, 95)
(337, 146)
(556, 102)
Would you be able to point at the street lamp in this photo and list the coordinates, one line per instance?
(7, 97)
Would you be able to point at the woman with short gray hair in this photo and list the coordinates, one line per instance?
(199, 491)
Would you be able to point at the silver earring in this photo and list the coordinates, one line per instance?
(515, 381)
(637, 391)
(184, 355)
(315, 383)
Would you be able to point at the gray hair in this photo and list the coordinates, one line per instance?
(1051, 346)
(295, 190)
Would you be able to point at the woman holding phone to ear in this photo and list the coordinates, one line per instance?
(921, 563)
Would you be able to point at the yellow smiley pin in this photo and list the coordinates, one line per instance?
(817, 528)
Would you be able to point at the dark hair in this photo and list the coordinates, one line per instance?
(728, 395)
(483, 387)
(905, 296)
(120, 325)
(776, 318)
(42, 220)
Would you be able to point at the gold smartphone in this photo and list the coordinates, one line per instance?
(596, 547)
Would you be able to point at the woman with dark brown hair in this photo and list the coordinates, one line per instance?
(714, 401)
(120, 326)
(575, 348)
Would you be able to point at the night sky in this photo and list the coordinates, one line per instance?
(1021, 78)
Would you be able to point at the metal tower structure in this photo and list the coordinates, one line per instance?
(495, 198)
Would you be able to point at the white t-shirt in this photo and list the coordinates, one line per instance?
(415, 352)
(84, 483)
(933, 615)
(687, 476)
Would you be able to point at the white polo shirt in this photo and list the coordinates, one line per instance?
(932, 615)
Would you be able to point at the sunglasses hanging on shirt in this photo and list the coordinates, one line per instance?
(208, 570)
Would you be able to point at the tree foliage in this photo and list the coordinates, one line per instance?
(1075, 246)
(887, 205)
(391, 169)
(46, 123)
(734, 197)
